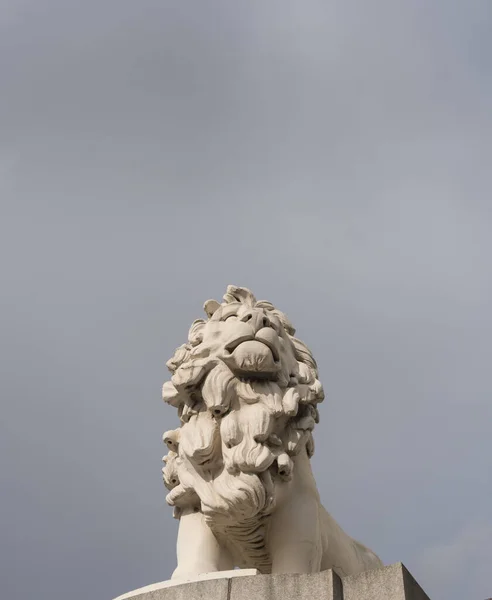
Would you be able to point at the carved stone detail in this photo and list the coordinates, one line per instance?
(238, 471)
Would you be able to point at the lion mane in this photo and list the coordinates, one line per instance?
(239, 429)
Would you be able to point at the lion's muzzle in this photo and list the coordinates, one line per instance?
(257, 355)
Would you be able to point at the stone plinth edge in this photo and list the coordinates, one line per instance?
(142, 593)
(389, 583)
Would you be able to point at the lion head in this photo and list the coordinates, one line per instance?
(246, 391)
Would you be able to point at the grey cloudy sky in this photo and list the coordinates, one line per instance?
(335, 157)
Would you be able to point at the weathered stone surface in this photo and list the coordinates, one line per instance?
(208, 589)
(390, 583)
(317, 586)
(175, 582)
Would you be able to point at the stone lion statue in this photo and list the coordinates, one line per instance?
(238, 468)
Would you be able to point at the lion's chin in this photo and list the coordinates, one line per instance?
(253, 359)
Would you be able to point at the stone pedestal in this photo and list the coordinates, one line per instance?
(389, 583)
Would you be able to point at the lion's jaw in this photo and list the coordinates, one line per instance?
(252, 359)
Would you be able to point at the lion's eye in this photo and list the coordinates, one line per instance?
(233, 317)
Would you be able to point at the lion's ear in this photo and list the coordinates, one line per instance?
(210, 307)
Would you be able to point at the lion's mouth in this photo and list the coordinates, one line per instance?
(250, 338)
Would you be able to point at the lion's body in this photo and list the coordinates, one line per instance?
(238, 469)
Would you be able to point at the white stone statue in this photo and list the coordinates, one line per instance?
(238, 467)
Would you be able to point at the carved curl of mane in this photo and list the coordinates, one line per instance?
(236, 436)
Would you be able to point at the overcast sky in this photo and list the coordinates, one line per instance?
(335, 157)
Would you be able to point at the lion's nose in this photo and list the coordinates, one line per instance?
(257, 319)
